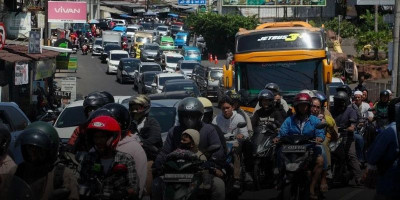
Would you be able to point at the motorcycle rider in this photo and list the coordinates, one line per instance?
(7, 164)
(381, 109)
(114, 169)
(190, 141)
(305, 124)
(280, 103)
(268, 113)
(236, 101)
(228, 121)
(148, 131)
(39, 144)
(346, 118)
(92, 102)
(190, 112)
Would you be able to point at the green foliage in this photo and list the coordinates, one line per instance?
(219, 30)
(347, 29)
(368, 22)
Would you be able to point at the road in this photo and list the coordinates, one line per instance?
(92, 76)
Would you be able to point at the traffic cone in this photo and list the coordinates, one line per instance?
(210, 57)
(216, 59)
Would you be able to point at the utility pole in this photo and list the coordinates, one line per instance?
(376, 18)
(396, 33)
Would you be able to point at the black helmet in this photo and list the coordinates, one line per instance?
(341, 99)
(99, 112)
(143, 101)
(233, 95)
(38, 138)
(110, 97)
(345, 88)
(119, 113)
(268, 95)
(5, 139)
(96, 100)
(272, 86)
(190, 112)
(384, 93)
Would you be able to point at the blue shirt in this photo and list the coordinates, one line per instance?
(291, 127)
(384, 150)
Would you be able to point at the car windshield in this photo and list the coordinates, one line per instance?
(147, 68)
(98, 42)
(131, 29)
(193, 53)
(162, 28)
(163, 79)
(165, 43)
(131, 66)
(151, 47)
(112, 47)
(332, 88)
(147, 26)
(165, 116)
(216, 74)
(72, 116)
(149, 77)
(181, 37)
(188, 65)
(181, 87)
(119, 56)
(176, 27)
(141, 39)
(172, 59)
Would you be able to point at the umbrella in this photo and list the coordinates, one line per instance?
(93, 21)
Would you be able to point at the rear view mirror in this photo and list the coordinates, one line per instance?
(153, 85)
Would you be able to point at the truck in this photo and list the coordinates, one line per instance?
(111, 37)
(291, 54)
(141, 37)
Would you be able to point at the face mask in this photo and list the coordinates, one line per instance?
(185, 146)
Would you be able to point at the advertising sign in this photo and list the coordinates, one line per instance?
(68, 84)
(273, 3)
(34, 42)
(191, 2)
(21, 73)
(2, 35)
(67, 11)
(375, 2)
(44, 69)
(18, 24)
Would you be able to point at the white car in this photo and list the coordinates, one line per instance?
(160, 79)
(131, 30)
(113, 60)
(97, 47)
(170, 60)
(336, 82)
(163, 30)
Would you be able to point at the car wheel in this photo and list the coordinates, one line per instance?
(108, 70)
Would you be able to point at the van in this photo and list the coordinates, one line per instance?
(119, 22)
(166, 43)
(191, 53)
(181, 39)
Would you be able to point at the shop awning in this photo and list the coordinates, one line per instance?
(11, 57)
(23, 51)
(112, 10)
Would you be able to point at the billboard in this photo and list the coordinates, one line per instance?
(375, 2)
(191, 2)
(273, 3)
(67, 11)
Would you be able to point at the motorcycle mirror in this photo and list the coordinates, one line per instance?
(241, 125)
(321, 126)
(213, 148)
(50, 111)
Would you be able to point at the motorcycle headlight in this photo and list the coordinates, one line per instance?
(292, 166)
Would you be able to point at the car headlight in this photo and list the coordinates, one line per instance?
(124, 72)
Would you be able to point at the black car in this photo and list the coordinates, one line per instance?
(145, 81)
(199, 76)
(175, 29)
(181, 85)
(107, 49)
(126, 69)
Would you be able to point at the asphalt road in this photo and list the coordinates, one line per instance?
(92, 76)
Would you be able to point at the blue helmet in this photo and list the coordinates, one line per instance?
(321, 96)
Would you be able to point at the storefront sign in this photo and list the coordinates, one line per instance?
(34, 42)
(68, 84)
(67, 11)
(21, 73)
(375, 2)
(63, 94)
(272, 3)
(2, 35)
(44, 69)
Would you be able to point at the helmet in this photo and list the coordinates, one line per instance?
(272, 86)
(5, 139)
(51, 132)
(142, 100)
(341, 96)
(309, 92)
(302, 98)
(38, 138)
(119, 113)
(106, 124)
(190, 112)
(345, 88)
(266, 94)
(233, 95)
(99, 112)
(208, 109)
(384, 93)
(321, 96)
(110, 97)
(96, 100)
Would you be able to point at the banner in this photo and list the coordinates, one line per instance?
(67, 11)
(375, 2)
(45, 69)
(21, 73)
(273, 3)
(68, 84)
(191, 2)
(34, 42)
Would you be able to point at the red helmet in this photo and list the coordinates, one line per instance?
(108, 124)
(302, 98)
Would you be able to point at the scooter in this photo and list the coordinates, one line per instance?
(341, 174)
(84, 49)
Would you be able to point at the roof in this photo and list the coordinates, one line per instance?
(190, 48)
(189, 61)
(151, 72)
(10, 57)
(150, 63)
(165, 103)
(126, 59)
(173, 54)
(182, 33)
(22, 51)
(75, 104)
(161, 75)
(119, 28)
(151, 44)
(112, 10)
(179, 81)
(118, 51)
(171, 95)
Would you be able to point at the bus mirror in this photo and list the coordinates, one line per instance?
(327, 71)
(227, 76)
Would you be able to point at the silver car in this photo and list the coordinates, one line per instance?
(163, 30)
(149, 51)
(187, 67)
(131, 29)
(97, 47)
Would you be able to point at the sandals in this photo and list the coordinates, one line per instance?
(324, 188)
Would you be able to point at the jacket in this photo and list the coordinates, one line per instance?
(208, 137)
(150, 135)
(261, 116)
(290, 127)
(130, 146)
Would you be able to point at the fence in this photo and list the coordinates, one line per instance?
(375, 87)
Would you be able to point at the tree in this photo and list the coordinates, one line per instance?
(219, 30)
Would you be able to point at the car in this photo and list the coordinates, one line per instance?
(175, 29)
(163, 30)
(181, 85)
(145, 81)
(147, 26)
(201, 44)
(145, 67)
(97, 47)
(121, 29)
(126, 69)
(181, 39)
(207, 79)
(119, 22)
(160, 79)
(187, 67)
(170, 60)
(149, 51)
(166, 43)
(191, 53)
(131, 29)
(107, 49)
(12, 117)
(213, 83)
(336, 82)
(165, 111)
(114, 58)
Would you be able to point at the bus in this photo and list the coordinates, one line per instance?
(293, 55)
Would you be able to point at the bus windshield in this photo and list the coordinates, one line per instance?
(290, 76)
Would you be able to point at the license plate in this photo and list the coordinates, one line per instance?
(293, 149)
(178, 178)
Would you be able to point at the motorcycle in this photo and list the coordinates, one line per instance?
(84, 49)
(186, 177)
(263, 154)
(341, 174)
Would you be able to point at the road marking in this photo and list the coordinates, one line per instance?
(351, 194)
